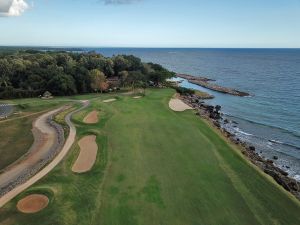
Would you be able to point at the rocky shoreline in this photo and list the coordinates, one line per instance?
(204, 82)
(213, 115)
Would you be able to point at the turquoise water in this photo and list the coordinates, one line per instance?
(270, 118)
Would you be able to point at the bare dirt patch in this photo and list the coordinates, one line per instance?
(137, 97)
(178, 105)
(87, 155)
(33, 203)
(109, 100)
(91, 118)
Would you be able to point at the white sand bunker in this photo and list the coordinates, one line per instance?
(178, 105)
(33, 203)
(109, 100)
(87, 156)
(136, 97)
(91, 118)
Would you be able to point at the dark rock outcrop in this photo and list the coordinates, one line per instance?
(204, 82)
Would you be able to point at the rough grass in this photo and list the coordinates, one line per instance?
(156, 166)
(60, 119)
(203, 95)
(15, 140)
(15, 133)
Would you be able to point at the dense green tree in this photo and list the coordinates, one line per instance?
(120, 64)
(5, 72)
(4, 80)
(29, 73)
(109, 68)
(46, 60)
(62, 84)
(135, 78)
(82, 79)
(147, 69)
(159, 74)
(133, 63)
(123, 77)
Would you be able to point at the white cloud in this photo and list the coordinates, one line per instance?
(13, 7)
(18, 7)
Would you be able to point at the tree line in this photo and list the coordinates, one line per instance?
(29, 73)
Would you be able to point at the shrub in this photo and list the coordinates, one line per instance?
(10, 93)
(184, 91)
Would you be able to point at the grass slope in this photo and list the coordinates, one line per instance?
(156, 166)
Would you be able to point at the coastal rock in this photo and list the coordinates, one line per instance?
(284, 173)
(217, 124)
(278, 179)
(251, 148)
(204, 82)
(294, 185)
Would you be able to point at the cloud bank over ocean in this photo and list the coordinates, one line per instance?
(12, 7)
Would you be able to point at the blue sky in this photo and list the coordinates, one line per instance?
(151, 23)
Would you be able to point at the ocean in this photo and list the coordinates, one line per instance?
(270, 118)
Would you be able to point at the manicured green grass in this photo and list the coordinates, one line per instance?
(156, 166)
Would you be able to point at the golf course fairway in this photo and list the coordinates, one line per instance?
(155, 167)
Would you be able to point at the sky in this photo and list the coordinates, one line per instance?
(151, 23)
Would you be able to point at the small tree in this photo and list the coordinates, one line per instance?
(134, 78)
(98, 80)
(104, 86)
(142, 85)
(123, 76)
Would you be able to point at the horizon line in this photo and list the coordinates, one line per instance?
(138, 47)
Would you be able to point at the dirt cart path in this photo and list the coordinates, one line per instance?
(47, 137)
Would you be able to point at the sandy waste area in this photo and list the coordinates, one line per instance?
(87, 156)
(109, 100)
(92, 117)
(178, 105)
(33, 203)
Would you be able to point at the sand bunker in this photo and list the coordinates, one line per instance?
(33, 203)
(109, 100)
(91, 118)
(136, 97)
(178, 105)
(87, 155)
